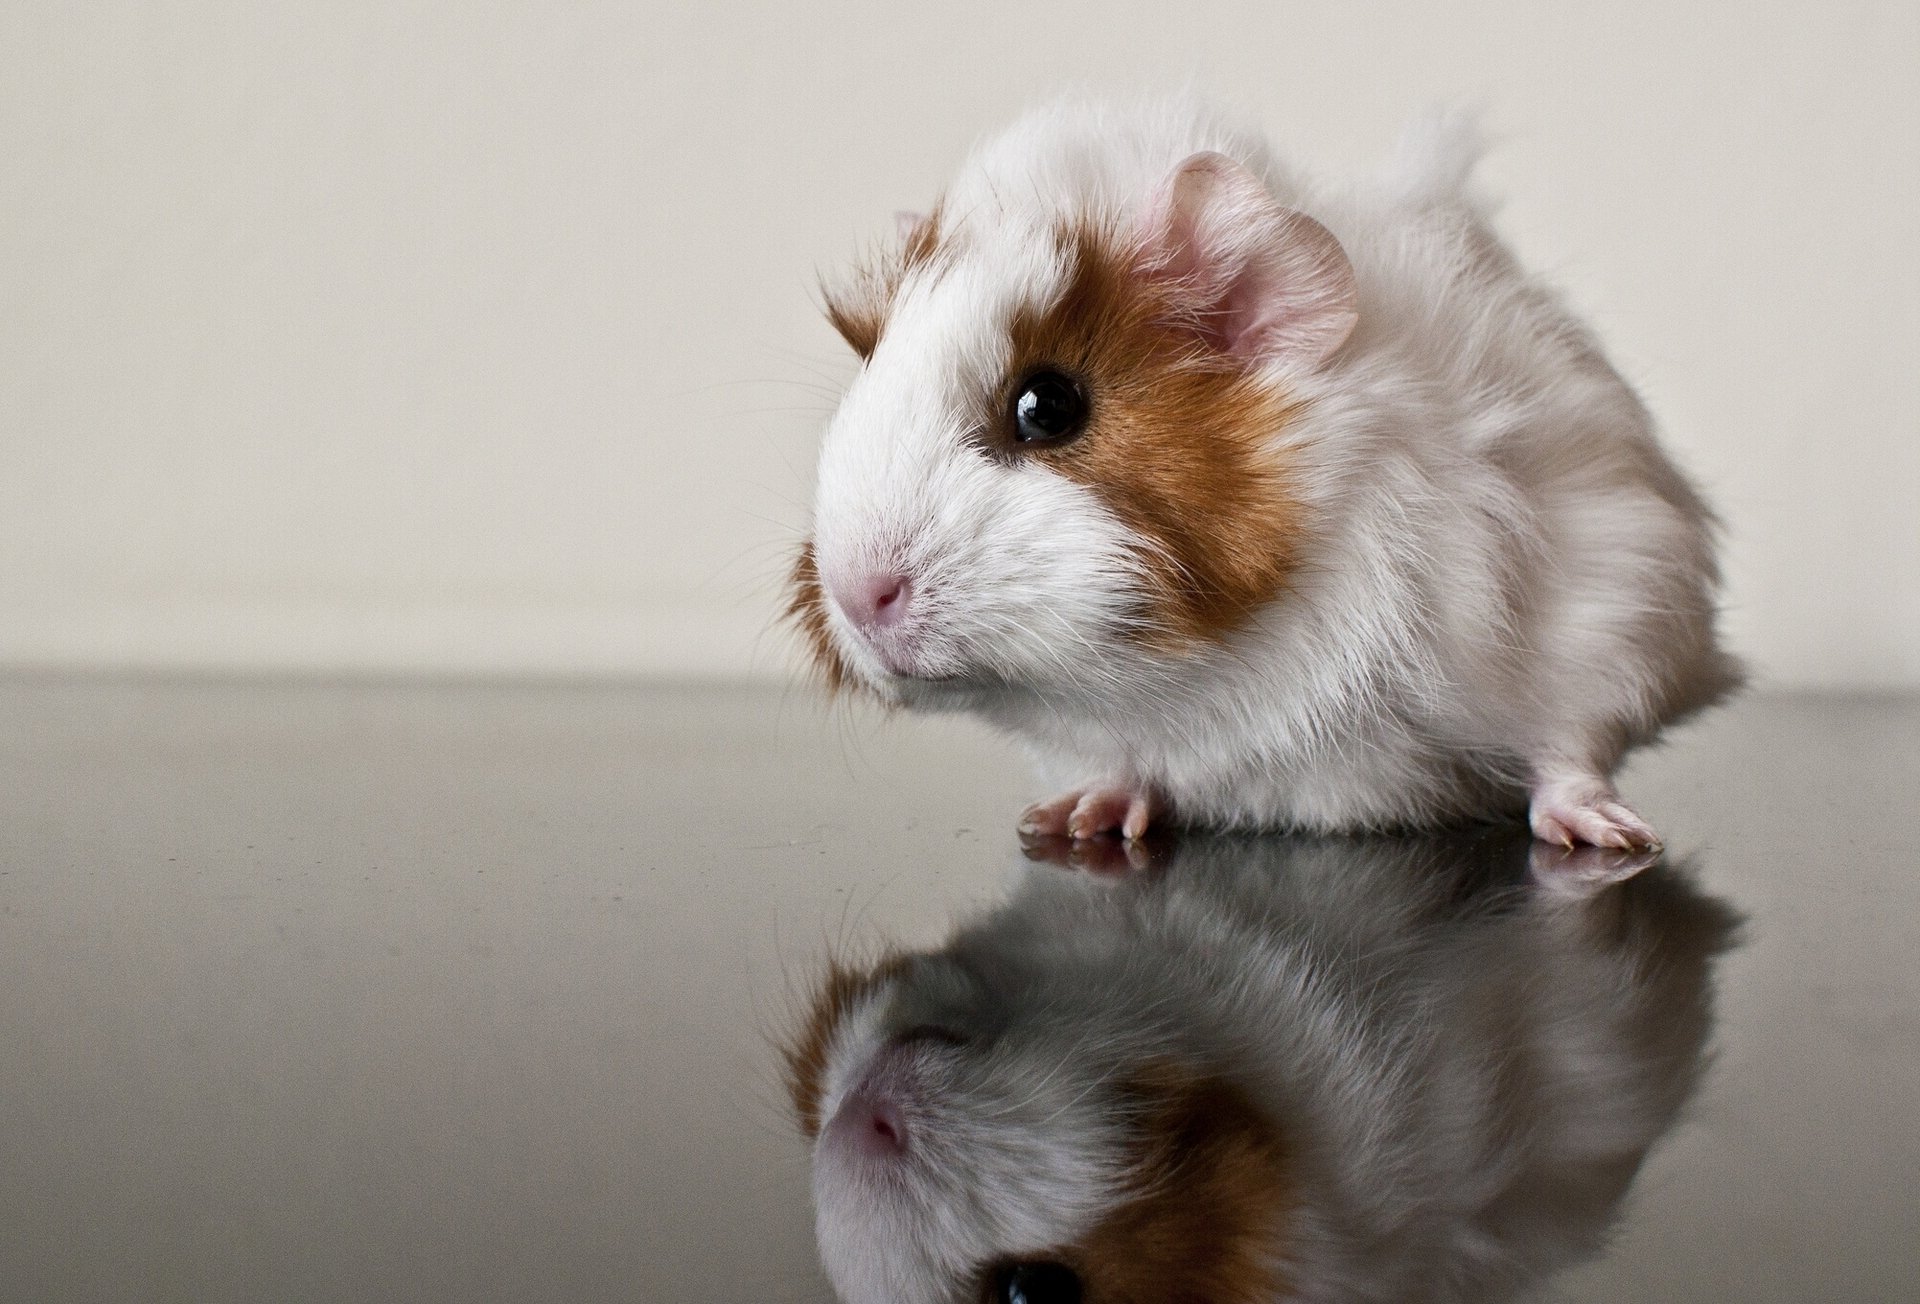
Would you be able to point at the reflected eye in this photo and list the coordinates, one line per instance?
(1036, 1283)
(1048, 408)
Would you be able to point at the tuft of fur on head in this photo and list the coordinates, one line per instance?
(858, 306)
(1434, 159)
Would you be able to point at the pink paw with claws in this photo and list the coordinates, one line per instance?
(1089, 812)
(1587, 812)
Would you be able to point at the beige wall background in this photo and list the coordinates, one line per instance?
(391, 337)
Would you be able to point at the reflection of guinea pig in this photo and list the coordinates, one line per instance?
(1280, 1070)
(1256, 499)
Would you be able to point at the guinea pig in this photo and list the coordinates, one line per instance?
(1267, 1070)
(1248, 499)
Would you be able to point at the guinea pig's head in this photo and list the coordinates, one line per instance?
(1065, 448)
(967, 1154)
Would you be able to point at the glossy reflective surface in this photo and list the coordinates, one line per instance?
(1245, 1069)
(455, 993)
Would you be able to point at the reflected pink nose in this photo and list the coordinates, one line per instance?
(872, 1124)
(875, 601)
(880, 1127)
(886, 1129)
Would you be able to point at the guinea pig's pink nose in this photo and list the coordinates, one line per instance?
(872, 1124)
(875, 601)
(886, 1127)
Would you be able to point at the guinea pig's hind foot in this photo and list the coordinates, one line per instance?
(1089, 812)
(1585, 810)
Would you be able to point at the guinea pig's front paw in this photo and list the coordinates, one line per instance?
(1089, 812)
(1570, 812)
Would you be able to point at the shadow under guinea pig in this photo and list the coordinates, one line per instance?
(1239, 1069)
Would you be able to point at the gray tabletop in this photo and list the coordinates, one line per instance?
(315, 992)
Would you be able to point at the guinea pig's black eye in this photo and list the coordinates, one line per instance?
(1048, 408)
(1036, 1283)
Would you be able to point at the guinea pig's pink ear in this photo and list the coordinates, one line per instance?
(1257, 279)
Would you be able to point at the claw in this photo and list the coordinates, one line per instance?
(1585, 810)
(1090, 812)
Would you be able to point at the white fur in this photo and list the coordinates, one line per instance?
(972, 1182)
(1504, 581)
(1464, 1078)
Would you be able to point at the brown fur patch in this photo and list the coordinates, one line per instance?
(858, 307)
(804, 1056)
(807, 610)
(1176, 443)
(1211, 1195)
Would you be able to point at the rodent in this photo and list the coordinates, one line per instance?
(1249, 499)
(1259, 1069)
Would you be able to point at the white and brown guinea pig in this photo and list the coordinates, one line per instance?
(1249, 499)
(1273, 1070)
